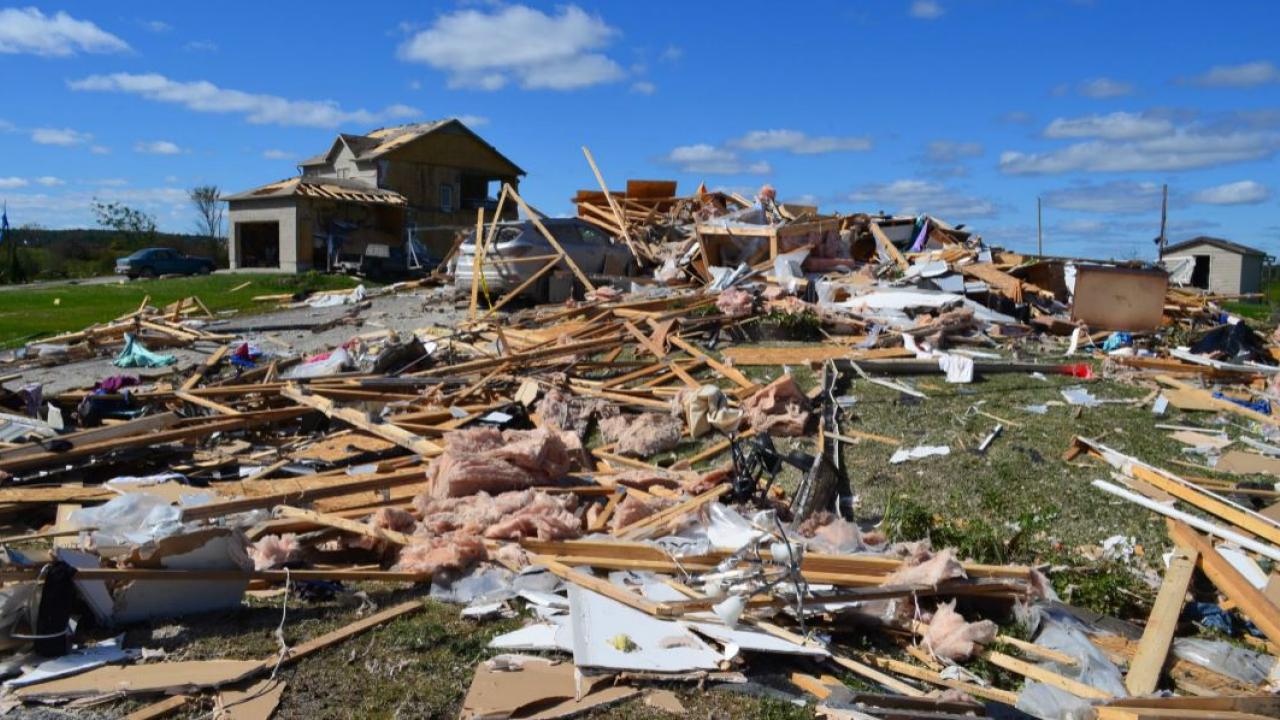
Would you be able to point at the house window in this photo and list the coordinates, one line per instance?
(446, 198)
(342, 173)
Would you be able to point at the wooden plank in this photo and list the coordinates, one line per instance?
(640, 528)
(537, 223)
(1144, 671)
(210, 363)
(351, 526)
(408, 476)
(205, 403)
(1240, 517)
(729, 372)
(598, 585)
(1217, 403)
(746, 355)
(613, 204)
(1048, 677)
(515, 292)
(1248, 599)
(355, 418)
(884, 243)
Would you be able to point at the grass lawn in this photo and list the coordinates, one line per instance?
(27, 314)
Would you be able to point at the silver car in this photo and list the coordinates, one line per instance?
(510, 260)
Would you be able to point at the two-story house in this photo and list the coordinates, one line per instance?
(423, 179)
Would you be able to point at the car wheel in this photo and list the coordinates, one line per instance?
(541, 291)
(132, 276)
(206, 270)
(149, 273)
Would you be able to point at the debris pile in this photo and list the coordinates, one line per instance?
(607, 466)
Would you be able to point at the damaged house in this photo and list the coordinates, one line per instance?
(1219, 266)
(368, 194)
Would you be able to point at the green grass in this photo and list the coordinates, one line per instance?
(26, 314)
(1263, 310)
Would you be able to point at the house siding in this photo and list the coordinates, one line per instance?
(1251, 274)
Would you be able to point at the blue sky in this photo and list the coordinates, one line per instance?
(966, 109)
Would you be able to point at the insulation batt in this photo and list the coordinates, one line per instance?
(632, 510)
(437, 554)
(951, 638)
(642, 435)
(928, 569)
(779, 408)
(491, 460)
(386, 518)
(735, 303)
(564, 411)
(274, 551)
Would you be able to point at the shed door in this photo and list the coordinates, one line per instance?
(1200, 275)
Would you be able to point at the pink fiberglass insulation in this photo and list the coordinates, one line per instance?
(565, 411)
(632, 510)
(951, 638)
(928, 569)
(642, 435)
(604, 293)
(433, 555)
(525, 513)
(779, 408)
(486, 459)
(735, 303)
(273, 551)
(389, 518)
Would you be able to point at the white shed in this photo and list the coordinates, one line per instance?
(1220, 266)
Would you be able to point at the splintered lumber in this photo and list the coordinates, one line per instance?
(613, 204)
(204, 429)
(741, 355)
(1136, 713)
(268, 664)
(285, 495)
(1265, 705)
(1048, 677)
(643, 527)
(363, 421)
(1247, 598)
(885, 244)
(154, 574)
(351, 526)
(598, 585)
(537, 223)
(205, 403)
(929, 676)
(1144, 671)
(725, 370)
(209, 364)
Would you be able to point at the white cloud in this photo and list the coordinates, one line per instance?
(1119, 197)
(65, 137)
(671, 53)
(50, 181)
(644, 87)
(1185, 149)
(1245, 192)
(8, 183)
(926, 9)
(157, 147)
(157, 26)
(27, 30)
(1249, 74)
(260, 109)
(948, 151)
(274, 154)
(1116, 126)
(100, 150)
(1103, 87)
(794, 141)
(709, 159)
(486, 51)
(201, 46)
(914, 197)
(472, 121)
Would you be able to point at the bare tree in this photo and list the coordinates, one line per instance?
(208, 210)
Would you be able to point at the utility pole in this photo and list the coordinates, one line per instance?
(1039, 230)
(1164, 218)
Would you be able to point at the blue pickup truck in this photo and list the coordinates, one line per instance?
(154, 262)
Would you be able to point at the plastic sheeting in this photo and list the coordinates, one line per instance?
(135, 354)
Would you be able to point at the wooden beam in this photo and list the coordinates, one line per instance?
(613, 204)
(533, 217)
(1223, 574)
(884, 243)
(1144, 671)
(209, 364)
(355, 418)
(352, 526)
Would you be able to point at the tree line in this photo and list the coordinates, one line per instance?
(37, 253)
